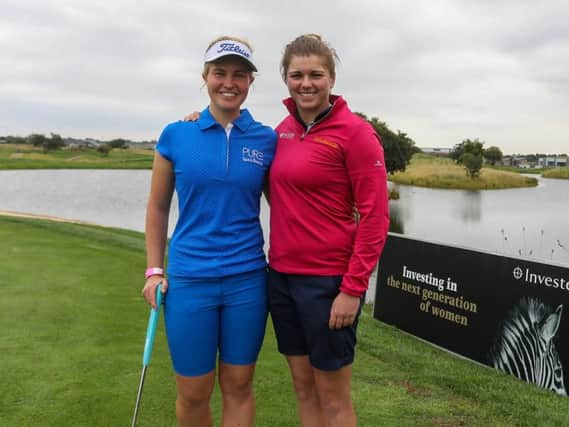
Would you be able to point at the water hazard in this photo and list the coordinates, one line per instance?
(527, 222)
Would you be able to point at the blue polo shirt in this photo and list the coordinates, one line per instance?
(219, 181)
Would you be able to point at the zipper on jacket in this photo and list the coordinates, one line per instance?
(310, 125)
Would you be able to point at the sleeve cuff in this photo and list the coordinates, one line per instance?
(353, 292)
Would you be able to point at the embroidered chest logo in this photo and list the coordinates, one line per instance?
(252, 156)
(286, 135)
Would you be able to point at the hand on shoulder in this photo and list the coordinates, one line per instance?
(192, 117)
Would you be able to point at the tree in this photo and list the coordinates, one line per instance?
(10, 139)
(472, 163)
(407, 146)
(493, 154)
(472, 146)
(469, 153)
(398, 148)
(105, 149)
(118, 143)
(48, 144)
(37, 139)
(53, 143)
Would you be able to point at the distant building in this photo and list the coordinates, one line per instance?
(519, 161)
(553, 162)
(87, 142)
(436, 151)
(525, 164)
(143, 144)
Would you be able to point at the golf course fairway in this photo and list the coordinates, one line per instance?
(73, 328)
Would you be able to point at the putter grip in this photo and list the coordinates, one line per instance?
(152, 325)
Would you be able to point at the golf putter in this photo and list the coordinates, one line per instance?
(148, 344)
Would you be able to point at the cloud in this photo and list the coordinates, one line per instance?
(441, 71)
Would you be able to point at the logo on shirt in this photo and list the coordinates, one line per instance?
(378, 164)
(286, 135)
(252, 156)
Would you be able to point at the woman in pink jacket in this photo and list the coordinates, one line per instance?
(328, 161)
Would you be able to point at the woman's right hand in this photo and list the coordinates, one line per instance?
(149, 290)
(193, 117)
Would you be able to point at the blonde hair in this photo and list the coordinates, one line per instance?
(220, 38)
(306, 45)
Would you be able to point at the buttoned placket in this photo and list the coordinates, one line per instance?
(227, 129)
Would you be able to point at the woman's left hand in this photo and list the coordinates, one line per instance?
(344, 311)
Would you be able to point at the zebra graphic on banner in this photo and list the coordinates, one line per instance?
(525, 346)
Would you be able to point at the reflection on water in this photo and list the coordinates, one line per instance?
(527, 222)
(395, 220)
(469, 206)
(530, 222)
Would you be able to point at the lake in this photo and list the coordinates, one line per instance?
(527, 222)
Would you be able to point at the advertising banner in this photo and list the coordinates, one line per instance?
(504, 312)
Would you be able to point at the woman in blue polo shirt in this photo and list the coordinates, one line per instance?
(215, 294)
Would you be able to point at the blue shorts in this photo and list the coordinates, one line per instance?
(300, 309)
(203, 316)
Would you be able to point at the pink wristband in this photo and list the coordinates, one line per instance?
(153, 271)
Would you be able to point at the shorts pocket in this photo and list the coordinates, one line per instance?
(341, 342)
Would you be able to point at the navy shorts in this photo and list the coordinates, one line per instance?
(206, 316)
(300, 309)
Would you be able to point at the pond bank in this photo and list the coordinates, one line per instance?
(438, 172)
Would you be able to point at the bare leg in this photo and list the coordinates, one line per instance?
(309, 407)
(236, 383)
(192, 403)
(334, 390)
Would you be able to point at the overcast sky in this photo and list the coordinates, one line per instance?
(439, 70)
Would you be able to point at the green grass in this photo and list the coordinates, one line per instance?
(437, 172)
(28, 157)
(73, 327)
(534, 171)
(560, 173)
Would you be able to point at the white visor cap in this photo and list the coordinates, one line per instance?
(230, 47)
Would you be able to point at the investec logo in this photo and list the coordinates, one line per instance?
(540, 279)
(252, 156)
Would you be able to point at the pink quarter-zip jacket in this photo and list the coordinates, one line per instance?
(319, 174)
